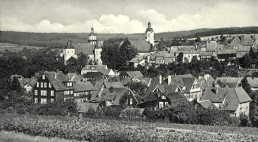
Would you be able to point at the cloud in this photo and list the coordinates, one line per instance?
(74, 17)
(221, 15)
(105, 24)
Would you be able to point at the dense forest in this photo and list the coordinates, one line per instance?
(59, 39)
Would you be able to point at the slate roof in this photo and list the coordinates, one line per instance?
(174, 96)
(98, 85)
(31, 81)
(58, 75)
(86, 48)
(74, 77)
(114, 96)
(141, 45)
(227, 51)
(235, 97)
(232, 96)
(82, 86)
(95, 75)
(214, 97)
(97, 68)
(206, 104)
(136, 74)
(114, 84)
(94, 95)
(56, 83)
(234, 81)
(246, 40)
(188, 82)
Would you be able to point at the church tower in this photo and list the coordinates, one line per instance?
(149, 34)
(92, 37)
(69, 51)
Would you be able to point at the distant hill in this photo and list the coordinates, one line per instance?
(59, 39)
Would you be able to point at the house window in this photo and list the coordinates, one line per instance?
(36, 100)
(71, 91)
(45, 85)
(66, 92)
(130, 101)
(49, 85)
(43, 92)
(37, 84)
(161, 104)
(43, 76)
(41, 84)
(52, 100)
(43, 100)
(166, 103)
(52, 92)
(35, 92)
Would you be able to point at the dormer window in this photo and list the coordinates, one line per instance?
(163, 97)
(43, 76)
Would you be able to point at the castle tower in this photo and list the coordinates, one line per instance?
(92, 37)
(149, 34)
(69, 51)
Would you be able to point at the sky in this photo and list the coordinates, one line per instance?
(124, 16)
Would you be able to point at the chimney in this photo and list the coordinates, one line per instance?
(217, 88)
(160, 79)
(169, 79)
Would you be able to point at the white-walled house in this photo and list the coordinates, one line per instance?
(234, 100)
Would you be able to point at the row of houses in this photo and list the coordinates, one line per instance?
(239, 46)
(161, 91)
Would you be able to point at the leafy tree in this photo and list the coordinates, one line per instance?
(246, 85)
(222, 38)
(137, 87)
(117, 52)
(180, 57)
(175, 43)
(194, 59)
(198, 39)
(15, 85)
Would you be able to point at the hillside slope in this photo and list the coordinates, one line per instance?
(59, 39)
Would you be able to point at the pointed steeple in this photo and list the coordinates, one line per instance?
(69, 44)
(149, 27)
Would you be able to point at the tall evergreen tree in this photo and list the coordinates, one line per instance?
(246, 86)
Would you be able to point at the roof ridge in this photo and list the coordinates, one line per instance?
(236, 94)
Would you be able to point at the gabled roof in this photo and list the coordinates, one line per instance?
(141, 45)
(31, 81)
(206, 104)
(74, 77)
(114, 84)
(98, 85)
(188, 83)
(136, 74)
(57, 84)
(82, 86)
(215, 95)
(242, 95)
(114, 96)
(58, 75)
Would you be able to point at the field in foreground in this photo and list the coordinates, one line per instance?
(20, 137)
(73, 128)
